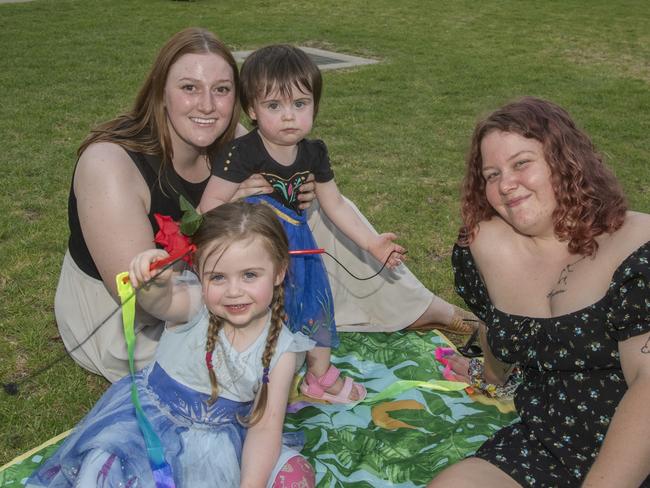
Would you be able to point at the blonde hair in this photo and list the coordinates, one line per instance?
(235, 222)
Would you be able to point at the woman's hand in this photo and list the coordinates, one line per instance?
(382, 247)
(253, 185)
(257, 185)
(459, 367)
(307, 193)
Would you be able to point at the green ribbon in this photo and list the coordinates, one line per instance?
(152, 441)
(401, 386)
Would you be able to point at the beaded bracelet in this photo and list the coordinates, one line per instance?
(501, 392)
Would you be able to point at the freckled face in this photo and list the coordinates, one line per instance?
(199, 100)
(238, 283)
(518, 182)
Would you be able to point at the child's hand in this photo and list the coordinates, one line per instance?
(139, 268)
(382, 246)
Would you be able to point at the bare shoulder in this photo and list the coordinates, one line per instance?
(104, 158)
(637, 224)
(493, 240)
(106, 165)
(634, 233)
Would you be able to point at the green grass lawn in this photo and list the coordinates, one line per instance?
(397, 131)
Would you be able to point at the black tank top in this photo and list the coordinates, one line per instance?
(164, 192)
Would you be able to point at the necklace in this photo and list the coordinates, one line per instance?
(234, 372)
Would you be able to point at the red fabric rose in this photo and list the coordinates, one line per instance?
(170, 237)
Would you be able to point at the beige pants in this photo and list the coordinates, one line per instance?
(389, 302)
(82, 305)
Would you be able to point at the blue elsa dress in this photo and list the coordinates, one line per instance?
(202, 443)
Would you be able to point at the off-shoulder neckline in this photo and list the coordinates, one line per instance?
(615, 279)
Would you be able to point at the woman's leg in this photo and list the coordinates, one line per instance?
(91, 329)
(473, 472)
(445, 316)
(297, 472)
(438, 312)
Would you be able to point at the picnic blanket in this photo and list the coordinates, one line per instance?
(412, 424)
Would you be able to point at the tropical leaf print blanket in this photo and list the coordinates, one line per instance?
(412, 424)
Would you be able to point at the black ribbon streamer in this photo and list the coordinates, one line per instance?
(13, 387)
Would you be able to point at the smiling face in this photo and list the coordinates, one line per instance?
(199, 99)
(518, 182)
(238, 282)
(283, 121)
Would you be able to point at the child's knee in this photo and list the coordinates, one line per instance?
(296, 472)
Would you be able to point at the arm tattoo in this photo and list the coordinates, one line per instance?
(560, 286)
(646, 347)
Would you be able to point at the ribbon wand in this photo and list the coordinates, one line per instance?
(304, 252)
(172, 258)
(11, 388)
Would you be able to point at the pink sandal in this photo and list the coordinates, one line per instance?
(314, 387)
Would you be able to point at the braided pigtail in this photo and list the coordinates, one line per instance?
(213, 333)
(221, 227)
(277, 312)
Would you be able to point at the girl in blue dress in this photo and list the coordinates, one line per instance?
(280, 92)
(217, 391)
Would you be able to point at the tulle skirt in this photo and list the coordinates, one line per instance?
(308, 298)
(201, 443)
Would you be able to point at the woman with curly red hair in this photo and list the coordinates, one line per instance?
(556, 266)
(589, 198)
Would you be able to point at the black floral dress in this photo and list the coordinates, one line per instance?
(572, 377)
